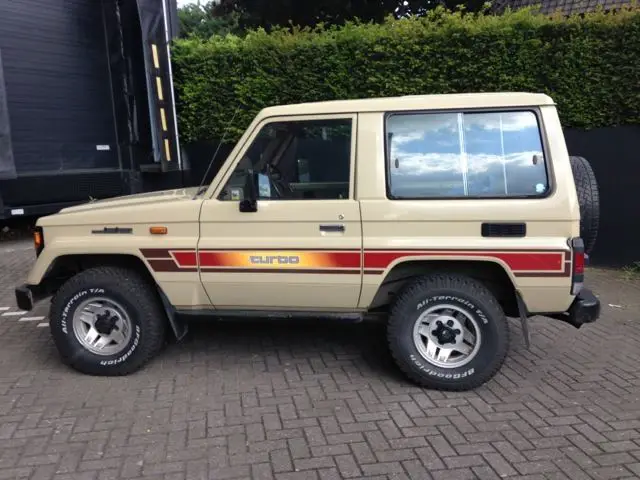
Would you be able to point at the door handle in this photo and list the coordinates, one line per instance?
(336, 227)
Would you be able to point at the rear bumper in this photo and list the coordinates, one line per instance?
(28, 295)
(584, 309)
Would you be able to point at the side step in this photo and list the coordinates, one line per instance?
(349, 317)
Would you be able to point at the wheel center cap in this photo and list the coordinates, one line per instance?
(105, 323)
(446, 332)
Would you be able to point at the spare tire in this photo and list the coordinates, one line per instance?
(589, 200)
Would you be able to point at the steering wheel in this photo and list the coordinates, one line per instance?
(279, 185)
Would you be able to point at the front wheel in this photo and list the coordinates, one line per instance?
(448, 332)
(107, 321)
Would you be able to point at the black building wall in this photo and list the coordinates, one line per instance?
(614, 154)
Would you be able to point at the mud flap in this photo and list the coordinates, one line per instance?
(180, 329)
(524, 320)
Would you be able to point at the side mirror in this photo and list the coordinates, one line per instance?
(248, 205)
(250, 202)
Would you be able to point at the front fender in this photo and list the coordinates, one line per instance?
(54, 251)
(182, 288)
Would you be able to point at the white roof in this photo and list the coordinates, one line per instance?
(414, 102)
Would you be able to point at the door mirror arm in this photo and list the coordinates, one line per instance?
(250, 202)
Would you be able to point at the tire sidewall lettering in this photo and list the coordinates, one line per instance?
(66, 319)
(439, 299)
(134, 345)
(69, 307)
(429, 369)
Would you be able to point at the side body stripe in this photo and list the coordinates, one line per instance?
(523, 263)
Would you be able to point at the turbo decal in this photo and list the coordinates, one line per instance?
(523, 263)
(279, 259)
(274, 261)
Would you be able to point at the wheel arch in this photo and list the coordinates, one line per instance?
(492, 272)
(63, 267)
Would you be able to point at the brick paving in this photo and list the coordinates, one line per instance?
(269, 400)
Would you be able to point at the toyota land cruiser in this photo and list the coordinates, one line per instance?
(441, 214)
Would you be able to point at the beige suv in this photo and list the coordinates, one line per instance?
(440, 214)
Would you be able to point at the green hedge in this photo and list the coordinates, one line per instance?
(590, 65)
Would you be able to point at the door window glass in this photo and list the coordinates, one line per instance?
(296, 160)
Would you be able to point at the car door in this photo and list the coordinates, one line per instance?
(301, 249)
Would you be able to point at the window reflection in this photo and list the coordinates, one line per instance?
(496, 154)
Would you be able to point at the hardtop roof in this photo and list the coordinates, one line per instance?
(413, 102)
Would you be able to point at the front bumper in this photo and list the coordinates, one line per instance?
(28, 295)
(584, 309)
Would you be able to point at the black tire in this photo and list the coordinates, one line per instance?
(462, 292)
(140, 302)
(588, 199)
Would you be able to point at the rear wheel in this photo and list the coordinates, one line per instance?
(448, 332)
(107, 321)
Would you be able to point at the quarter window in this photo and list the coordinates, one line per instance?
(296, 160)
(445, 155)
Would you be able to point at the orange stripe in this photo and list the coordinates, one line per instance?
(284, 259)
(341, 271)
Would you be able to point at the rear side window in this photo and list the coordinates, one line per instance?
(465, 155)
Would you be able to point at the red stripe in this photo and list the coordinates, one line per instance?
(344, 259)
(538, 261)
(186, 258)
(212, 259)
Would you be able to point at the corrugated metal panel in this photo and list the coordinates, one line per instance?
(58, 85)
(7, 165)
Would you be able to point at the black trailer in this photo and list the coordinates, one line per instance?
(87, 107)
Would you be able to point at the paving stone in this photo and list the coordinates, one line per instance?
(263, 401)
